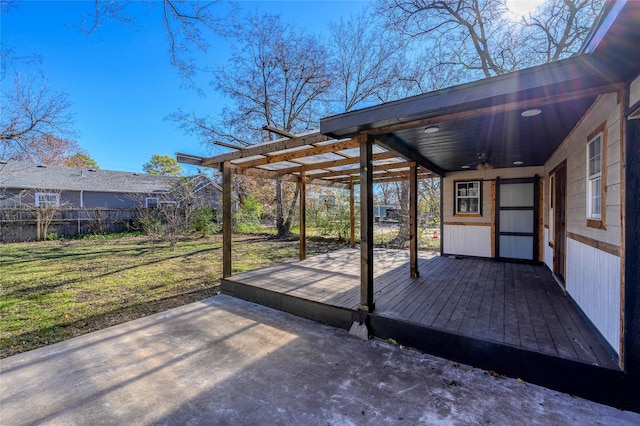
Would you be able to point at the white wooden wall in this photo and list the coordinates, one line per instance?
(593, 280)
(634, 95)
(467, 240)
(548, 251)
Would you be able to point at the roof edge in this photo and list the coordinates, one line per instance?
(604, 21)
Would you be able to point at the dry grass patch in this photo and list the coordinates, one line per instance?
(52, 291)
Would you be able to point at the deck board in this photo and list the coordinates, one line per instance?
(519, 305)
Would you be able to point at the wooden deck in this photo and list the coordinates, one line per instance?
(518, 305)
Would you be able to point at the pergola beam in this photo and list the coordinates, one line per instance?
(272, 174)
(266, 148)
(277, 131)
(390, 177)
(409, 153)
(354, 171)
(338, 163)
(300, 153)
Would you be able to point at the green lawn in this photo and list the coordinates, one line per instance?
(51, 291)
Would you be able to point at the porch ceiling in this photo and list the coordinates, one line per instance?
(504, 137)
(485, 116)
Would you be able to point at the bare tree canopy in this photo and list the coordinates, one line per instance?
(31, 113)
(186, 24)
(366, 62)
(277, 76)
(481, 37)
(54, 150)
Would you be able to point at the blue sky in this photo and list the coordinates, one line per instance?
(119, 78)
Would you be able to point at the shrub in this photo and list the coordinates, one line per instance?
(204, 221)
(248, 216)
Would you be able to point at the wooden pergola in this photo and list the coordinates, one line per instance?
(316, 159)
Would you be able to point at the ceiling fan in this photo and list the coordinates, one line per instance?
(483, 162)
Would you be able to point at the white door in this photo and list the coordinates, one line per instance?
(516, 218)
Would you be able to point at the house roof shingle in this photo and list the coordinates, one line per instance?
(17, 174)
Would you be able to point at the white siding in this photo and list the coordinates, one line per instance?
(593, 280)
(548, 251)
(467, 240)
(634, 96)
(605, 109)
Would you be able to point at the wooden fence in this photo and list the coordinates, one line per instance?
(20, 224)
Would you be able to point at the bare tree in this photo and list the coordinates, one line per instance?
(477, 36)
(365, 61)
(560, 27)
(51, 149)
(187, 25)
(171, 213)
(46, 206)
(30, 112)
(277, 76)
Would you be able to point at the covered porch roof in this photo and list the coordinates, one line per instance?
(494, 119)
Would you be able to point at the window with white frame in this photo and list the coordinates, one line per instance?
(594, 177)
(44, 199)
(468, 197)
(168, 204)
(152, 202)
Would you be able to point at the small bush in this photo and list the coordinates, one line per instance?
(51, 236)
(204, 222)
(248, 216)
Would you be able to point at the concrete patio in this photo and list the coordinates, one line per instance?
(227, 361)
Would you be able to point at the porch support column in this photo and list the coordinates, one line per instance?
(366, 223)
(226, 220)
(441, 189)
(303, 217)
(631, 246)
(352, 213)
(413, 220)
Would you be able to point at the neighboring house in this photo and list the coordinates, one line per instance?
(32, 184)
(540, 165)
(90, 200)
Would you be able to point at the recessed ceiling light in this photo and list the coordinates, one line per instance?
(531, 112)
(432, 129)
(518, 163)
(465, 167)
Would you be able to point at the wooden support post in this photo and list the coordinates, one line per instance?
(352, 213)
(366, 223)
(413, 220)
(441, 189)
(303, 217)
(631, 243)
(226, 220)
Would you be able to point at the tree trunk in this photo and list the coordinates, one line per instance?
(283, 230)
(283, 221)
(402, 239)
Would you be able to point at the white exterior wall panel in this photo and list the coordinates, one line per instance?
(634, 96)
(548, 251)
(467, 240)
(593, 281)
